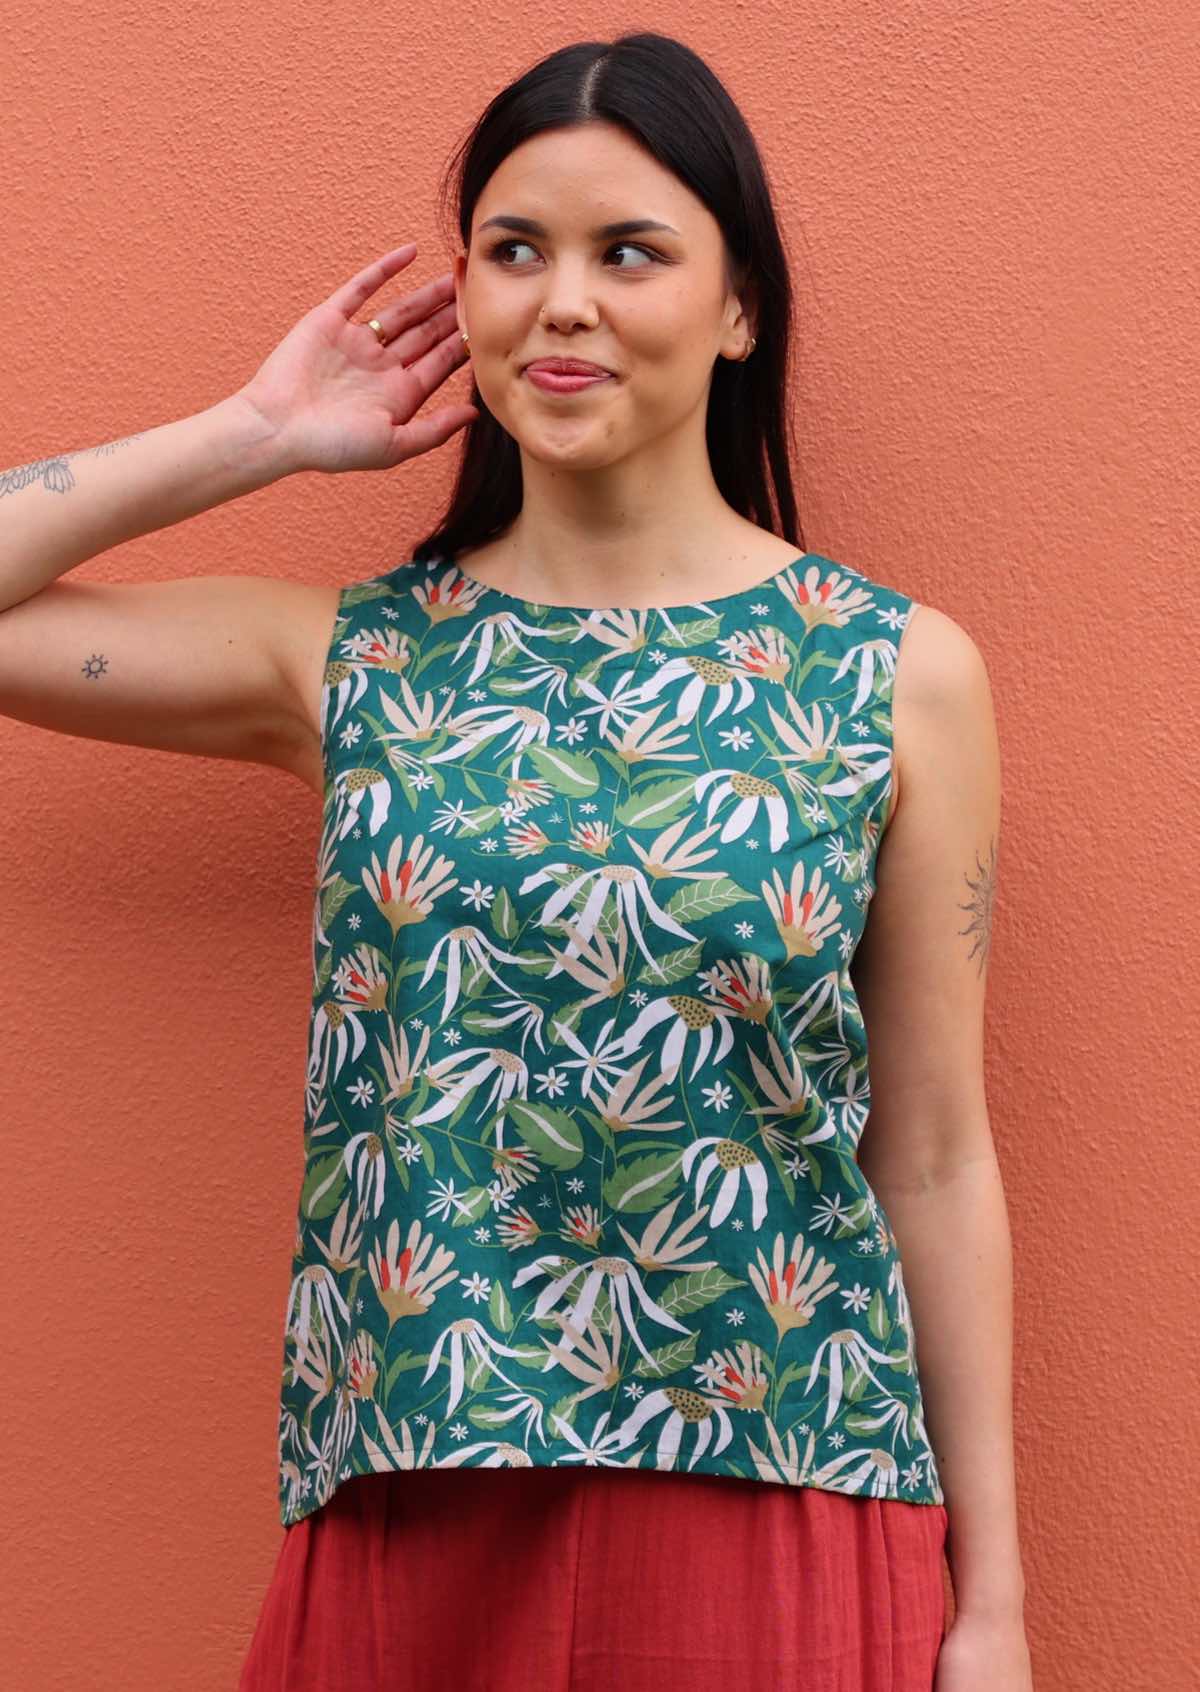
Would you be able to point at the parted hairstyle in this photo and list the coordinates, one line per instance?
(664, 96)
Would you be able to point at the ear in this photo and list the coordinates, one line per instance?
(459, 268)
(748, 296)
(744, 294)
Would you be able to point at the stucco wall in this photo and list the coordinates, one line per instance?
(992, 217)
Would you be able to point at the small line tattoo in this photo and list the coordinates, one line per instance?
(980, 906)
(95, 666)
(111, 446)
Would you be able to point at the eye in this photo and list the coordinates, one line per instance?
(630, 247)
(501, 247)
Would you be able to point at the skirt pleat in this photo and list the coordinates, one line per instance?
(600, 1580)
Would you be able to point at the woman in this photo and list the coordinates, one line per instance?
(611, 774)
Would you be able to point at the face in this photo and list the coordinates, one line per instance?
(652, 305)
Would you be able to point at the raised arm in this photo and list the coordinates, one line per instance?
(212, 665)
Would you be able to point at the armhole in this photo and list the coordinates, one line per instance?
(892, 799)
(334, 635)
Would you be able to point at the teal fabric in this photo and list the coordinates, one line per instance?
(587, 1072)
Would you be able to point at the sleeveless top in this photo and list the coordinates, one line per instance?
(587, 1072)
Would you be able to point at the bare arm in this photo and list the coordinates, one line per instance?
(927, 1149)
(58, 511)
(220, 666)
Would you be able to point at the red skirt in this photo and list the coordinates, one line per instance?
(585, 1580)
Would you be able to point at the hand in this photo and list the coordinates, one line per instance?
(340, 400)
(984, 1654)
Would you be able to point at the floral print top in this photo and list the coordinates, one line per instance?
(587, 1072)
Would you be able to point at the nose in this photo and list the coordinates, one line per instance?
(566, 299)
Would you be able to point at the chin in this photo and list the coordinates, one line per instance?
(585, 453)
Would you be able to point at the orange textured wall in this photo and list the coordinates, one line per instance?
(992, 215)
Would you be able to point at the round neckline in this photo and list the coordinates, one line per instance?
(755, 589)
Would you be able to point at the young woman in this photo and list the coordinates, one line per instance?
(636, 816)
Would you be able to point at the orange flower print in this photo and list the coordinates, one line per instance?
(405, 891)
(793, 1285)
(404, 1284)
(805, 915)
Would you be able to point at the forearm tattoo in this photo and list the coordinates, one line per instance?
(55, 473)
(980, 907)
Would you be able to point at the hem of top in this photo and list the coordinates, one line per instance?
(791, 1476)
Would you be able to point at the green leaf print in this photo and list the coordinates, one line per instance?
(878, 1318)
(660, 803)
(565, 1410)
(703, 899)
(334, 897)
(667, 1359)
(471, 1205)
(477, 1372)
(406, 786)
(573, 774)
(500, 1308)
(535, 963)
(599, 1127)
(553, 1134)
(507, 687)
(691, 1292)
(398, 1365)
(569, 1015)
(489, 1416)
(793, 1372)
(479, 820)
(674, 966)
(480, 1023)
(504, 915)
(323, 1185)
(360, 592)
(456, 1152)
(645, 1183)
(398, 1163)
(696, 633)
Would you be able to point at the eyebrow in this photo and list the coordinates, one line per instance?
(605, 232)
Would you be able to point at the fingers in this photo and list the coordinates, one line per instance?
(351, 294)
(424, 433)
(419, 320)
(410, 345)
(430, 369)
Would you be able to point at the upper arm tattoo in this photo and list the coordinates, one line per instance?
(980, 906)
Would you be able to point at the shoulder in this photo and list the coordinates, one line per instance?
(938, 663)
(943, 714)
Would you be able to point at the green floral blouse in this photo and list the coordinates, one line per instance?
(587, 1072)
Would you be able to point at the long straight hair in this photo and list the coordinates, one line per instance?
(665, 96)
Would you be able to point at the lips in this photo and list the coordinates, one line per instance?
(568, 367)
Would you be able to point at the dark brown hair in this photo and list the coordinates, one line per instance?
(663, 95)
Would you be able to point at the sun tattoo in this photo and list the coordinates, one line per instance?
(95, 666)
(980, 906)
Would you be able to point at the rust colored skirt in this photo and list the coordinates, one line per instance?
(600, 1580)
